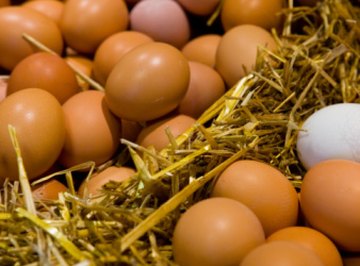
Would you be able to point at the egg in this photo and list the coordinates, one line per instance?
(86, 23)
(40, 128)
(330, 197)
(155, 134)
(202, 49)
(3, 87)
(82, 64)
(262, 13)
(200, 7)
(45, 71)
(4, 3)
(148, 82)
(130, 130)
(205, 87)
(264, 189)
(94, 185)
(48, 190)
(20, 20)
(50, 8)
(281, 253)
(216, 231)
(162, 20)
(92, 131)
(112, 49)
(238, 49)
(330, 133)
(312, 239)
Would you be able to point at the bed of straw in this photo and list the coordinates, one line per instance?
(131, 223)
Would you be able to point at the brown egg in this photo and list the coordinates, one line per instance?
(216, 231)
(200, 7)
(202, 49)
(50, 8)
(264, 189)
(162, 20)
(262, 13)
(92, 131)
(39, 123)
(48, 190)
(93, 186)
(44, 71)
(4, 3)
(86, 23)
(238, 49)
(312, 239)
(20, 20)
(281, 253)
(83, 65)
(112, 49)
(148, 82)
(205, 87)
(155, 134)
(330, 197)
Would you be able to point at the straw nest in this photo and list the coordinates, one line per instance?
(316, 64)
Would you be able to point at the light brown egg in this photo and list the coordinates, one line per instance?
(44, 71)
(216, 231)
(94, 185)
(262, 13)
(48, 190)
(112, 49)
(162, 20)
(155, 134)
(312, 239)
(92, 131)
(20, 20)
(264, 189)
(330, 197)
(202, 49)
(148, 82)
(238, 49)
(281, 253)
(83, 65)
(86, 23)
(39, 123)
(205, 87)
(50, 8)
(200, 7)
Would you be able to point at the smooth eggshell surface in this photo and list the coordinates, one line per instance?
(330, 133)
(50, 8)
(329, 199)
(216, 231)
(264, 189)
(200, 7)
(39, 123)
(48, 190)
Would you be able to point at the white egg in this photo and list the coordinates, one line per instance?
(332, 132)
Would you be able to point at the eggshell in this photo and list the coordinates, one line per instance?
(44, 71)
(83, 65)
(155, 134)
(50, 8)
(86, 23)
(92, 131)
(39, 123)
(162, 20)
(20, 20)
(200, 7)
(112, 49)
(262, 13)
(216, 231)
(205, 87)
(202, 49)
(93, 186)
(48, 190)
(264, 189)
(330, 197)
(4, 3)
(281, 253)
(312, 239)
(148, 82)
(330, 133)
(238, 49)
